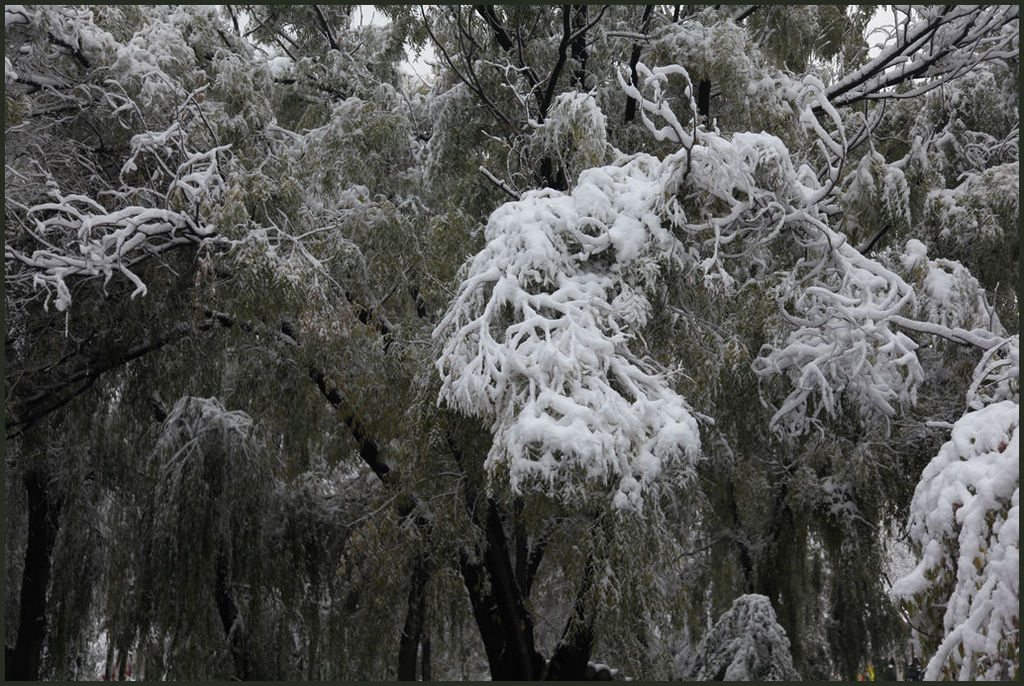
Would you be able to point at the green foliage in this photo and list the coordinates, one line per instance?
(232, 414)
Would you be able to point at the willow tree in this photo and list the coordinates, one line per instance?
(845, 324)
(168, 237)
(632, 312)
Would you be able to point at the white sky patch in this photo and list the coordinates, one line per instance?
(880, 31)
(417, 65)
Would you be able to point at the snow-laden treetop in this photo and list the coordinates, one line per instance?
(538, 338)
(543, 337)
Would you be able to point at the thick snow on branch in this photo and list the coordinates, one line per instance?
(77, 236)
(844, 342)
(949, 295)
(538, 337)
(965, 516)
(756, 197)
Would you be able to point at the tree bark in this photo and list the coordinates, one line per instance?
(704, 100)
(122, 665)
(506, 627)
(231, 617)
(579, 50)
(412, 631)
(498, 602)
(426, 670)
(570, 659)
(634, 59)
(108, 665)
(43, 513)
(43, 391)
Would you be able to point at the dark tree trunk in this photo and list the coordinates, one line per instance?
(230, 618)
(570, 659)
(506, 627)
(426, 671)
(579, 50)
(108, 665)
(634, 58)
(509, 646)
(43, 513)
(550, 177)
(740, 541)
(412, 631)
(704, 100)
(122, 666)
(498, 602)
(522, 548)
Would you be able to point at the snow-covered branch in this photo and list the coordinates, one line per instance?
(538, 338)
(75, 236)
(944, 43)
(755, 199)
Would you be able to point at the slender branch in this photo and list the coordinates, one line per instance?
(469, 83)
(580, 32)
(634, 58)
(326, 29)
(80, 372)
(536, 555)
(499, 183)
(506, 43)
(563, 55)
(944, 45)
(743, 12)
(369, 451)
(980, 338)
(865, 249)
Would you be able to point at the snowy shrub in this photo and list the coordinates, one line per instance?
(979, 207)
(965, 518)
(876, 195)
(747, 643)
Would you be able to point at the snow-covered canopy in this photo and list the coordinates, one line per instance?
(965, 517)
(540, 338)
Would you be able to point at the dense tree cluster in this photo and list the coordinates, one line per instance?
(649, 341)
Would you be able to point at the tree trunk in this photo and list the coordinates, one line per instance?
(570, 659)
(426, 670)
(122, 665)
(498, 602)
(634, 58)
(704, 100)
(43, 512)
(552, 177)
(231, 618)
(108, 665)
(412, 632)
(579, 50)
(506, 627)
